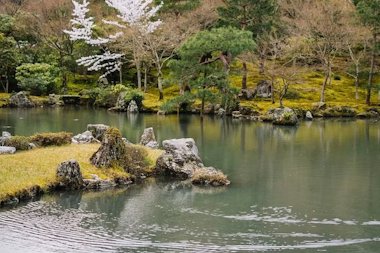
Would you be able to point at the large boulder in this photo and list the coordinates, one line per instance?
(147, 136)
(264, 89)
(70, 175)
(180, 158)
(120, 103)
(111, 152)
(55, 100)
(247, 94)
(284, 116)
(7, 150)
(97, 130)
(132, 107)
(20, 100)
(343, 111)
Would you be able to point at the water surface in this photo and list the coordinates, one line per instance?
(312, 188)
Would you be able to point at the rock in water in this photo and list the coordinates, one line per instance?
(70, 174)
(20, 100)
(147, 136)
(284, 116)
(180, 159)
(120, 103)
(132, 107)
(111, 152)
(97, 130)
(309, 116)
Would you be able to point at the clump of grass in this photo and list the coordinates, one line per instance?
(51, 139)
(19, 142)
(209, 176)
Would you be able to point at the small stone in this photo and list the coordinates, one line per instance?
(152, 144)
(309, 116)
(160, 112)
(31, 146)
(221, 112)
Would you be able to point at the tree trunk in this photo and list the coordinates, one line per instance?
(327, 75)
(357, 82)
(225, 61)
(6, 83)
(203, 102)
(244, 79)
(159, 77)
(138, 69)
(63, 73)
(121, 74)
(261, 65)
(145, 78)
(281, 104)
(272, 90)
(368, 100)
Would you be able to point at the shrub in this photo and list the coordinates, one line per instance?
(51, 139)
(292, 94)
(337, 78)
(133, 94)
(38, 78)
(183, 102)
(19, 142)
(136, 159)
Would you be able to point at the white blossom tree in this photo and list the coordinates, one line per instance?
(134, 15)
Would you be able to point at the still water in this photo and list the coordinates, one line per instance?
(311, 188)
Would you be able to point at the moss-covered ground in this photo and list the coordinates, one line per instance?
(21, 171)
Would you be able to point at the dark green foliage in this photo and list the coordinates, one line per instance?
(38, 78)
(107, 97)
(19, 142)
(177, 7)
(201, 63)
(51, 139)
(182, 103)
(337, 78)
(134, 94)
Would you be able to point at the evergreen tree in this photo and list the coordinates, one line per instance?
(257, 16)
(204, 61)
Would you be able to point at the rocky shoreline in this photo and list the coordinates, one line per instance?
(179, 159)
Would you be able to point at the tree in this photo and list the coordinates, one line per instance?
(9, 54)
(257, 16)
(322, 22)
(368, 12)
(48, 21)
(203, 62)
(135, 17)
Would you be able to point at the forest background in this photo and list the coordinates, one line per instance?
(199, 52)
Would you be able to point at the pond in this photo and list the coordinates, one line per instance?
(309, 188)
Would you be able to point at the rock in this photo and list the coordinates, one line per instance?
(221, 112)
(120, 103)
(127, 142)
(247, 94)
(147, 136)
(103, 82)
(180, 158)
(160, 112)
(264, 89)
(97, 183)
(4, 137)
(309, 116)
(132, 107)
(111, 152)
(7, 150)
(70, 174)
(209, 109)
(216, 108)
(152, 144)
(31, 146)
(97, 130)
(284, 116)
(84, 138)
(54, 100)
(236, 114)
(20, 100)
(319, 105)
